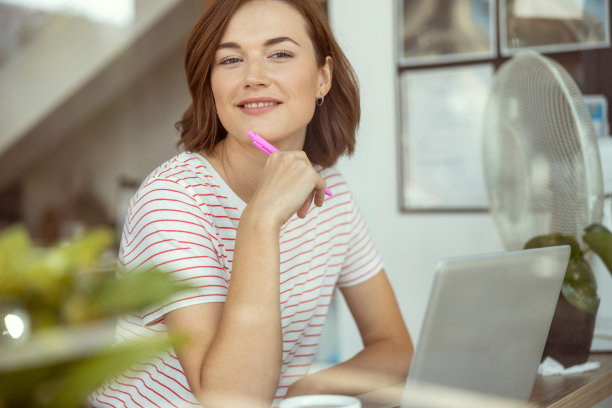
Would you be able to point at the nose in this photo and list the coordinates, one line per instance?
(256, 74)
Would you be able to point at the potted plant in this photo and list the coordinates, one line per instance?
(53, 300)
(571, 333)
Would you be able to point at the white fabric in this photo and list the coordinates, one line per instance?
(183, 221)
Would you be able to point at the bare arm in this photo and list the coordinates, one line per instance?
(387, 353)
(234, 351)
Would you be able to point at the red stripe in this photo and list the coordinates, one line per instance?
(298, 254)
(305, 311)
(126, 393)
(158, 190)
(147, 247)
(137, 324)
(125, 329)
(207, 277)
(209, 205)
(375, 268)
(154, 380)
(182, 300)
(105, 403)
(173, 231)
(146, 386)
(180, 372)
(170, 378)
(297, 236)
(159, 230)
(132, 224)
(211, 195)
(201, 276)
(189, 258)
(370, 254)
(126, 264)
(113, 397)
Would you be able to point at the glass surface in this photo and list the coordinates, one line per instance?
(553, 25)
(437, 31)
(442, 115)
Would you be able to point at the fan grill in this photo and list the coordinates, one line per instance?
(542, 165)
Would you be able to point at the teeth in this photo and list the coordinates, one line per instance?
(259, 105)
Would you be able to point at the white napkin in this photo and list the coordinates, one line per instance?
(550, 366)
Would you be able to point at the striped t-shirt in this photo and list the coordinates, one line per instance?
(183, 220)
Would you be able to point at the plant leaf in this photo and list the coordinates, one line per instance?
(596, 227)
(135, 291)
(579, 287)
(84, 378)
(68, 384)
(555, 239)
(601, 244)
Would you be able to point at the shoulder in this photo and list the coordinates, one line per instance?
(334, 179)
(185, 173)
(182, 168)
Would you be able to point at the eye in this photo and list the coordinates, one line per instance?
(282, 54)
(229, 61)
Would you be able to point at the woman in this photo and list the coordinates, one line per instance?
(255, 235)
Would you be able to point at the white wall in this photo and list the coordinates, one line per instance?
(129, 137)
(410, 244)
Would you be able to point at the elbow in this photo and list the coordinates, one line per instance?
(407, 357)
(404, 354)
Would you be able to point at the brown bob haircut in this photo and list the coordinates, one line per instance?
(330, 133)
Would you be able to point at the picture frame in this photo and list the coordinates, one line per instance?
(465, 31)
(442, 111)
(550, 26)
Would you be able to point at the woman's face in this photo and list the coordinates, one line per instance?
(265, 76)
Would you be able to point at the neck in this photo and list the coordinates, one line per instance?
(241, 164)
(241, 175)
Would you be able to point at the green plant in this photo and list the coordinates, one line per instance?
(579, 285)
(64, 287)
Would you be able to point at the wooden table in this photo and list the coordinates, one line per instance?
(573, 390)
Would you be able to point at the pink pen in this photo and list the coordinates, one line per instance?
(263, 145)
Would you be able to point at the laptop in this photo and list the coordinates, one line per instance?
(487, 322)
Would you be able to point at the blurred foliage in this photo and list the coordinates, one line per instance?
(579, 285)
(67, 285)
(67, 384)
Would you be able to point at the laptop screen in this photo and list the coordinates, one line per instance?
(487, 321)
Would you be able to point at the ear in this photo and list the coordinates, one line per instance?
(325, 77)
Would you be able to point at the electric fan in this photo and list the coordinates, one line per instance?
(544, 182)
(541, 159)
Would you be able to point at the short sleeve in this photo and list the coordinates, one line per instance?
(168, 229)
(362, 261)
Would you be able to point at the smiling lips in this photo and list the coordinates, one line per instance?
(258, 106)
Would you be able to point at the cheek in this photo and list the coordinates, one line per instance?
(222, 85)
(217, 89)
(305, 86)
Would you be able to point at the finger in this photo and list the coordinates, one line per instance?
(319, 196)
(303, 211)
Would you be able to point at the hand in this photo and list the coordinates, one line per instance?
(289, 184)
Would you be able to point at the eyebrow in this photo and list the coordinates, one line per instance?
(267, 43)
